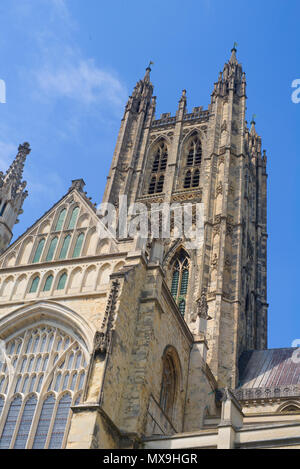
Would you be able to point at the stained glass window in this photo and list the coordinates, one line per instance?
(60, 220)
(48, 283)
(51, 249)
(73, 218)
(78, 245)
(65, 247)
(34, 284)
(62, 281)
(39, 363)
(39, 251)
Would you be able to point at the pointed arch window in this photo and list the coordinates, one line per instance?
(48, 283)
(78, 245)
(65, 247)
(39, 250)
(159, 166)
(41, 420)
(160, 158)
(62, 281)
(168, 386)
(73, 218)
(194, 155)
(180, 279)
(51, 249)
(187, 179)
(34, 284)
(60, 220)
(196, 178)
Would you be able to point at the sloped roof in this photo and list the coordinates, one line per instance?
(269, 369)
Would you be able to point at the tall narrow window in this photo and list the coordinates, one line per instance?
(25, 423)
(51, 249)
(73, 218)
(78, 245)
(194, 154)
(180, 279)
(48, 283)
(62, 281)
(152, 185)
(65, 247)
(39, 250)
(187, 180)
(196, 178)
(168, 386)
(60, 220)
(9, 426)
(60, 422)
(34, 284)
(158, 167)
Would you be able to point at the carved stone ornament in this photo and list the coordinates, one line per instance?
(102, 338)
(202, 306)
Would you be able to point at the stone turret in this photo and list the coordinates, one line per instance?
(12, 195)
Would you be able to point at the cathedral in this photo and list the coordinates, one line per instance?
(115, 343)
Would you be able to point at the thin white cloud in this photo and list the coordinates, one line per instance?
(83, 82)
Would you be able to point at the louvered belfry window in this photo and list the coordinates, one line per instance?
(156, 184)
(193, 159)
(41, 378)
(180, 278)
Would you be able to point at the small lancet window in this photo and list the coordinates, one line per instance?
(62, 281)
(60, 220)
(180, 279)
(34, 284)
(65, 247)
(196, 178)
(168, 386)
(51, 249)
(73, 218)
(48, 283)
(39, 251)
(3, 209)
(78, 245)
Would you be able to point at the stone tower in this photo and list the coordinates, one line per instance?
(208, 156)
(12, 195)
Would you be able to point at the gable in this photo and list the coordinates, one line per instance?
(66, 231)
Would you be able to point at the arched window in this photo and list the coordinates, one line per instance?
(38, 357)
(65, 247)
(180, 278)
(196, 178)
(60, 220)
(62, 281)
(159, 166)
(39, 250)
(48, 283)
(160, 158)
(51, 249)
(194, 155)
(34, 284)
(187, 179)
(78, 245)
(73, 218)
(168, 385)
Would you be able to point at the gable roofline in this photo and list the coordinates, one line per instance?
(77, 186)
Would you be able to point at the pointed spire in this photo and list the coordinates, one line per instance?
(14, 174)
(233, 59)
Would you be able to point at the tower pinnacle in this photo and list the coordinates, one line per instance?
(12, 195)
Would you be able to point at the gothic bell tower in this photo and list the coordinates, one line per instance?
(12, 195)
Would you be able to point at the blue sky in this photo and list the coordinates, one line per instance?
(69, 66)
